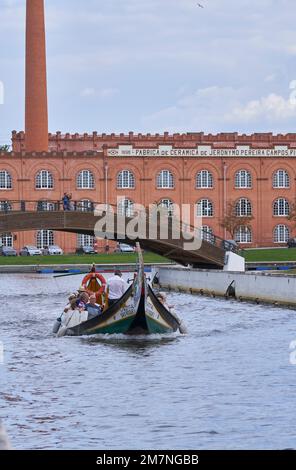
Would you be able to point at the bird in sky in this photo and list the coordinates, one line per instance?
(200, 6)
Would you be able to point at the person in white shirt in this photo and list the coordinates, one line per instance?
(116, 287)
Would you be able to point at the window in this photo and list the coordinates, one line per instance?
(281, 179)
(243, 179)
(281, 207)
(243, 235)
(206, 234)
(85, 180)
(6, 239)
(44, 180)
(5, 206)
(168, 205)
(5, 180)
(204, 180)
(281, 234)
(125, 180)
(45, 206)
(243, 208)
(205, 208)
(85, 240)
(125, 207)
(165, 180)
(85, 206)
(45, 238)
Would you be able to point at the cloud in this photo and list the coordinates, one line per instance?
(272, 108)
(221, 109)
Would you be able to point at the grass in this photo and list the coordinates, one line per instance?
(271, 254)
(112, 258)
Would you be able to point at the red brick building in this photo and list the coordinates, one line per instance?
(256, 171)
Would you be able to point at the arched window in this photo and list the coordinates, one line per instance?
(243, 179)
(207, 234)
(85, 206)
(165, 180)
(6, 239)
(85, 240)
(43, 206)
(205, 208)
(5, 180)
(243, 208)
(125, 180)
(168, 205)
(5, 206)
(281, 207)
(281, 234)
(243, 235)
(204, 180)
(125, 207)
(281, 179)
(44, 180)
(85, 180)
(44, 238)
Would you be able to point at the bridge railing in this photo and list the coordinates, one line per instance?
(88, 206)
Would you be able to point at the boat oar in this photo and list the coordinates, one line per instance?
(70, 274)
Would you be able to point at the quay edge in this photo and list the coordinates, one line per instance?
(274, 288)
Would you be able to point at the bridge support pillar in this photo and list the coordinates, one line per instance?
(234, 262)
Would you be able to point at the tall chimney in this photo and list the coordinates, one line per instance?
(36, 125)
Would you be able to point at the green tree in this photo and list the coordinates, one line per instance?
(4, 148)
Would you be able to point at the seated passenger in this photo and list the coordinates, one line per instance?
(82, 301)
(72, 302)
(92, 307)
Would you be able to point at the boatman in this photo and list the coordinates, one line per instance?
(116, 287)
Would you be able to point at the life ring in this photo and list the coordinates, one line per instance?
(102, 281)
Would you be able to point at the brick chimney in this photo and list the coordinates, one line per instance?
(36, 124)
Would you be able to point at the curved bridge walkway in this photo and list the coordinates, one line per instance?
(16, 216)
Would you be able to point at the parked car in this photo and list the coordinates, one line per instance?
(53, 250)
(291, 243)
(30, 250)
(124, 248)
(7, 251)
(85, 250)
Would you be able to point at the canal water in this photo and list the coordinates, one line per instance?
(228, 384)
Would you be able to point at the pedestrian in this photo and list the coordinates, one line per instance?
(65, 201)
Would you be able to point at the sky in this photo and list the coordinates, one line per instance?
(157, 65)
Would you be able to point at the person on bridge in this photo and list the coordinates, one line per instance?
(116, 287)
(66, 202)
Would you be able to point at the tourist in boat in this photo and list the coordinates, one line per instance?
(163, 299)
(92, 307)
(82, 301)
(116, 287)
(72, 303)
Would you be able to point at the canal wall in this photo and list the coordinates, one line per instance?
(259, 287)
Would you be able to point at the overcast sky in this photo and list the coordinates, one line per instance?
(156, 65)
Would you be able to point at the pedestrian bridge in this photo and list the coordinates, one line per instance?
(20, 216)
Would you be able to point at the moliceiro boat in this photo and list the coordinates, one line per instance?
(138, 311)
